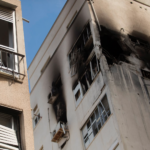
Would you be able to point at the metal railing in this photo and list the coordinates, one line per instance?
(10, 63)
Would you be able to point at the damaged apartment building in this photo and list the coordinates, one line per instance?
(15, 111)
(90, 79)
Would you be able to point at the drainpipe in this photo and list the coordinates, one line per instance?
(96, 18)
(97, 49)
(49, 125)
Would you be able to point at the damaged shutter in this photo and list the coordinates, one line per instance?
(6, 15)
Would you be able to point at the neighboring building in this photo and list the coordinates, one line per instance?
(15, 111)
(90, 79)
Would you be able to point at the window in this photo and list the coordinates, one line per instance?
(78, 93)
(94, 67)
(85, 81)
(37, 116)
(80, 50)
(146, 74)
(8, 40)
(96, 121)
(6, 120)
(10, 133)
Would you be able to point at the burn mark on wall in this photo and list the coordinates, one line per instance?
(124, 47)
(56, 98)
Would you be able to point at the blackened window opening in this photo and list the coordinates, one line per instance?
(81, 51)
(59, 104)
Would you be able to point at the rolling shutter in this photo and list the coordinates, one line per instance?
(8, 136)
(6, 15)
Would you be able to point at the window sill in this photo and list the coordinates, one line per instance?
(100, 130)
(9, 76)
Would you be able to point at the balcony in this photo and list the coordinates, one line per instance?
(12, 65)
(81, 51)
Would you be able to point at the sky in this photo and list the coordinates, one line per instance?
(42, 15)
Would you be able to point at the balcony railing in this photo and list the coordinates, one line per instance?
(12, 64)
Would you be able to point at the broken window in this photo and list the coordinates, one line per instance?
(96, 121)
(81, 50)
(7, 40)
(146, 74)
(85, 81)
(37, 118)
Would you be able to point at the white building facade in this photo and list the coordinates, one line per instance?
(90, 78)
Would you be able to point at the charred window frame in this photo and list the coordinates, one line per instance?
(94, 67)
(96, 121)
(145, 74)
(57, 100)
(80, 50)
(10, 137)
(85, 81)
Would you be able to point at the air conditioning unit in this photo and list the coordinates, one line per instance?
(59, 132)
(52, 98)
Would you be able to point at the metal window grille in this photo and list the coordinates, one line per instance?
(96, 121)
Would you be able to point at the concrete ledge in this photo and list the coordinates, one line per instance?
(8, 5)
(11, 77)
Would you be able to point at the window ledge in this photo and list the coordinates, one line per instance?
(9, 76)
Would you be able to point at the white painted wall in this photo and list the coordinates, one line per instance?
(120, 126)
(76, 116)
